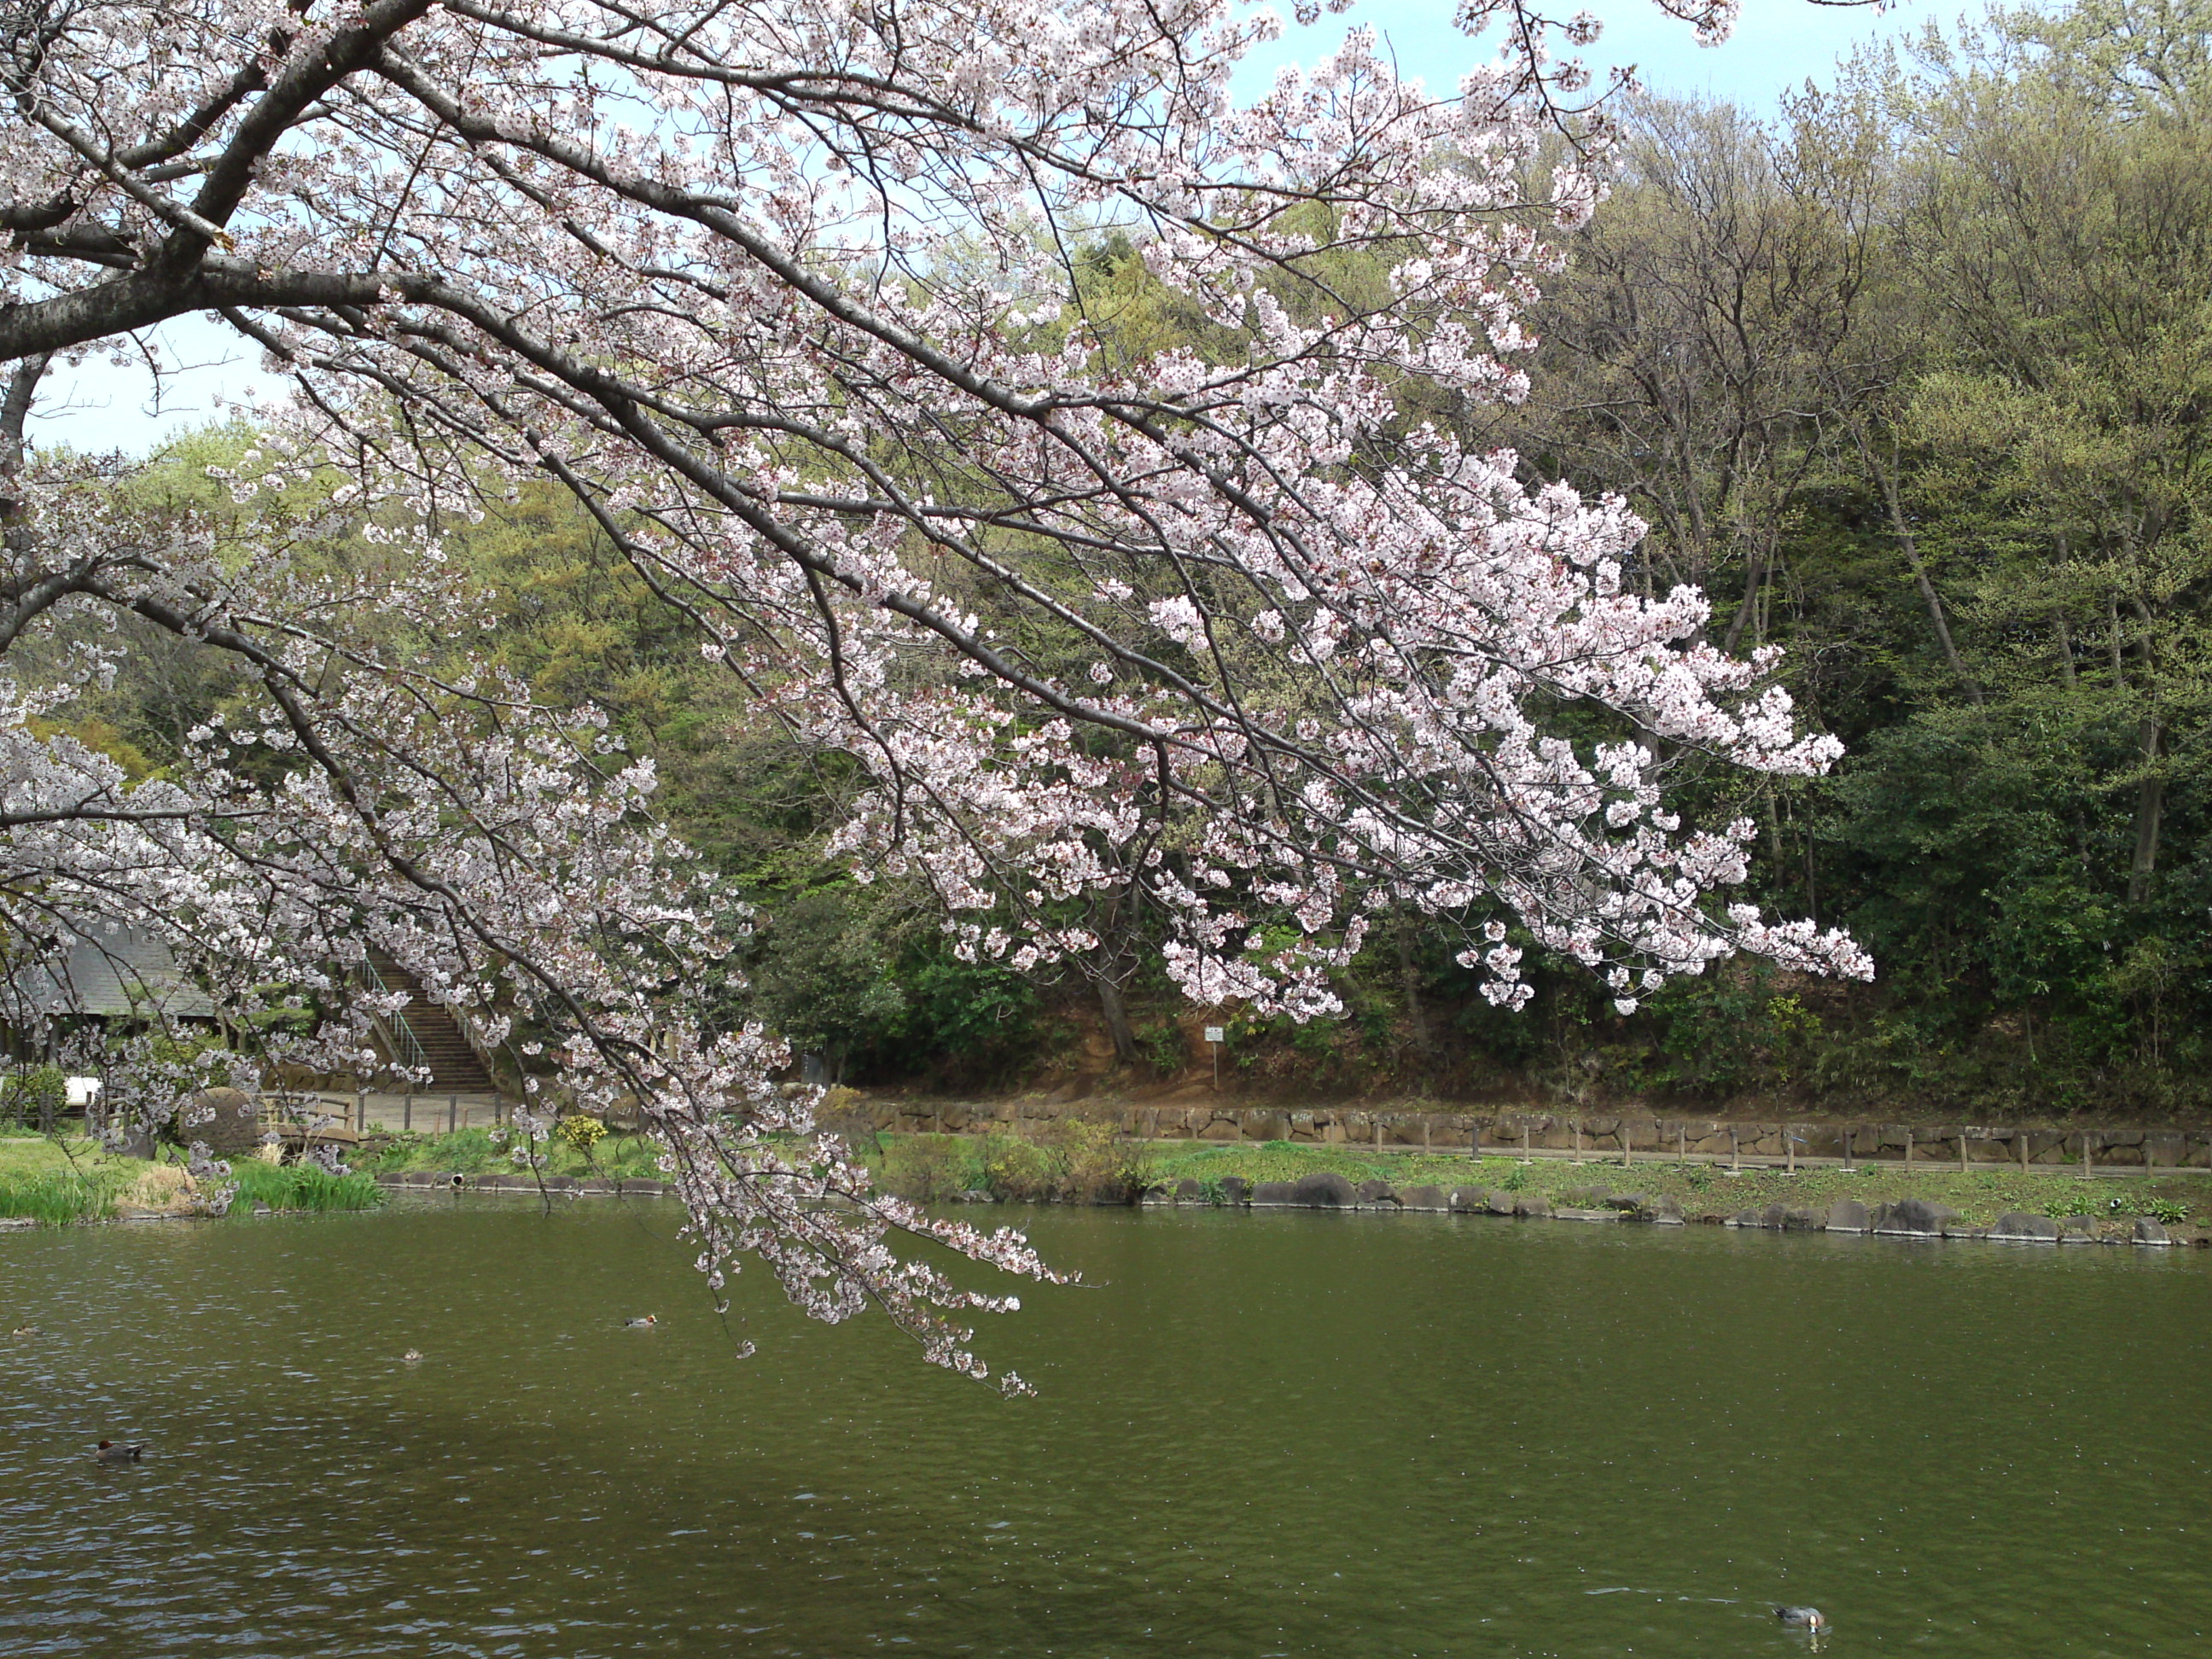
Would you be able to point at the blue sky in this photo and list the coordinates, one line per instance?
(1777, 44)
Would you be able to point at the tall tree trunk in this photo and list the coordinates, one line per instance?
(1117, 1022)
(2150, 804)
(1409, 983)
(1901, 527)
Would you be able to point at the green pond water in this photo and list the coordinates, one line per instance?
(1257, 1435)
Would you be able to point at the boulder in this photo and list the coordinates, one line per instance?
(1914, 1217)
(1633, 1203)
(2078, 1229)
(1323, 1190)
(1274, 1192)
(1774, 1217)
(1424, 1197)
(1660, 1212)
(2149, 1231)
(1799, 1220)
(1569, 1212)
(1469, 1199)
(228, 1121)
(1744, 1218)
(1189, 1190)
(1532, 1206)
(1964, 1229)
(2018, 1227)
(1848, 1215)
(1373, 1192)
(1503, 1203)
(1234, 1190)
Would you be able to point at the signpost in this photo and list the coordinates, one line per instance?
(1214, 1035)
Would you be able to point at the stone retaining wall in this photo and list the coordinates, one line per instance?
(1601, 1138)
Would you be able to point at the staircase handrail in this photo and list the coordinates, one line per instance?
(398, 1036)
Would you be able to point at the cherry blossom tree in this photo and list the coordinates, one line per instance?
(786, 293)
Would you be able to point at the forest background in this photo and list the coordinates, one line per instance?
(1914, 378)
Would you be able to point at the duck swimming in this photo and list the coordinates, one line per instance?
(109, 1452)
(1801, 1618)
(412, 1357)
(644, 1324)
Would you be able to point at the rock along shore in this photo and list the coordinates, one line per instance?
(528, 1186)
(1911, 1218)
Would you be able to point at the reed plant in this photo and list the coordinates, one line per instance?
(300, 1187)
(56, 1198)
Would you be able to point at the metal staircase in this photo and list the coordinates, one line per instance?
(424, 1033)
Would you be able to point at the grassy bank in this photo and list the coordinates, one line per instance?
(932, 1166)
(474, 1152)
(58, 1182)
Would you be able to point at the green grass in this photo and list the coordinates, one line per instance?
(473, 1152)
(57, 1198)
(58, 1183)
(1979, 1195)
(300, 1186)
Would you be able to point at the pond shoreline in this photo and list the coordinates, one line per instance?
(1909, 1218)
(1897, 1218)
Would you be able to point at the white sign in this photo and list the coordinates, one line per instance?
(1213, 1033)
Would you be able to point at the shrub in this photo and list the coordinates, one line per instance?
(1165, 1046)
(34, 1097)
(2170, 1211)
(927, 1169)
(1017, 1169)
(580, 1133)
(1089, 1163)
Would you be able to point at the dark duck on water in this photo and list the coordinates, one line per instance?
(1801, 1618)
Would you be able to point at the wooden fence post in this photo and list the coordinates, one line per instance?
(1962, 1149)
(407, 1115)
(1908, 1145)
(2085, 1154)
(453, 1114)
(2023, 1138)
(1576, 1126)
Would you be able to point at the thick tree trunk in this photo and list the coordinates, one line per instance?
(2150, 804)
(1409, 984)
(1117, 1023)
